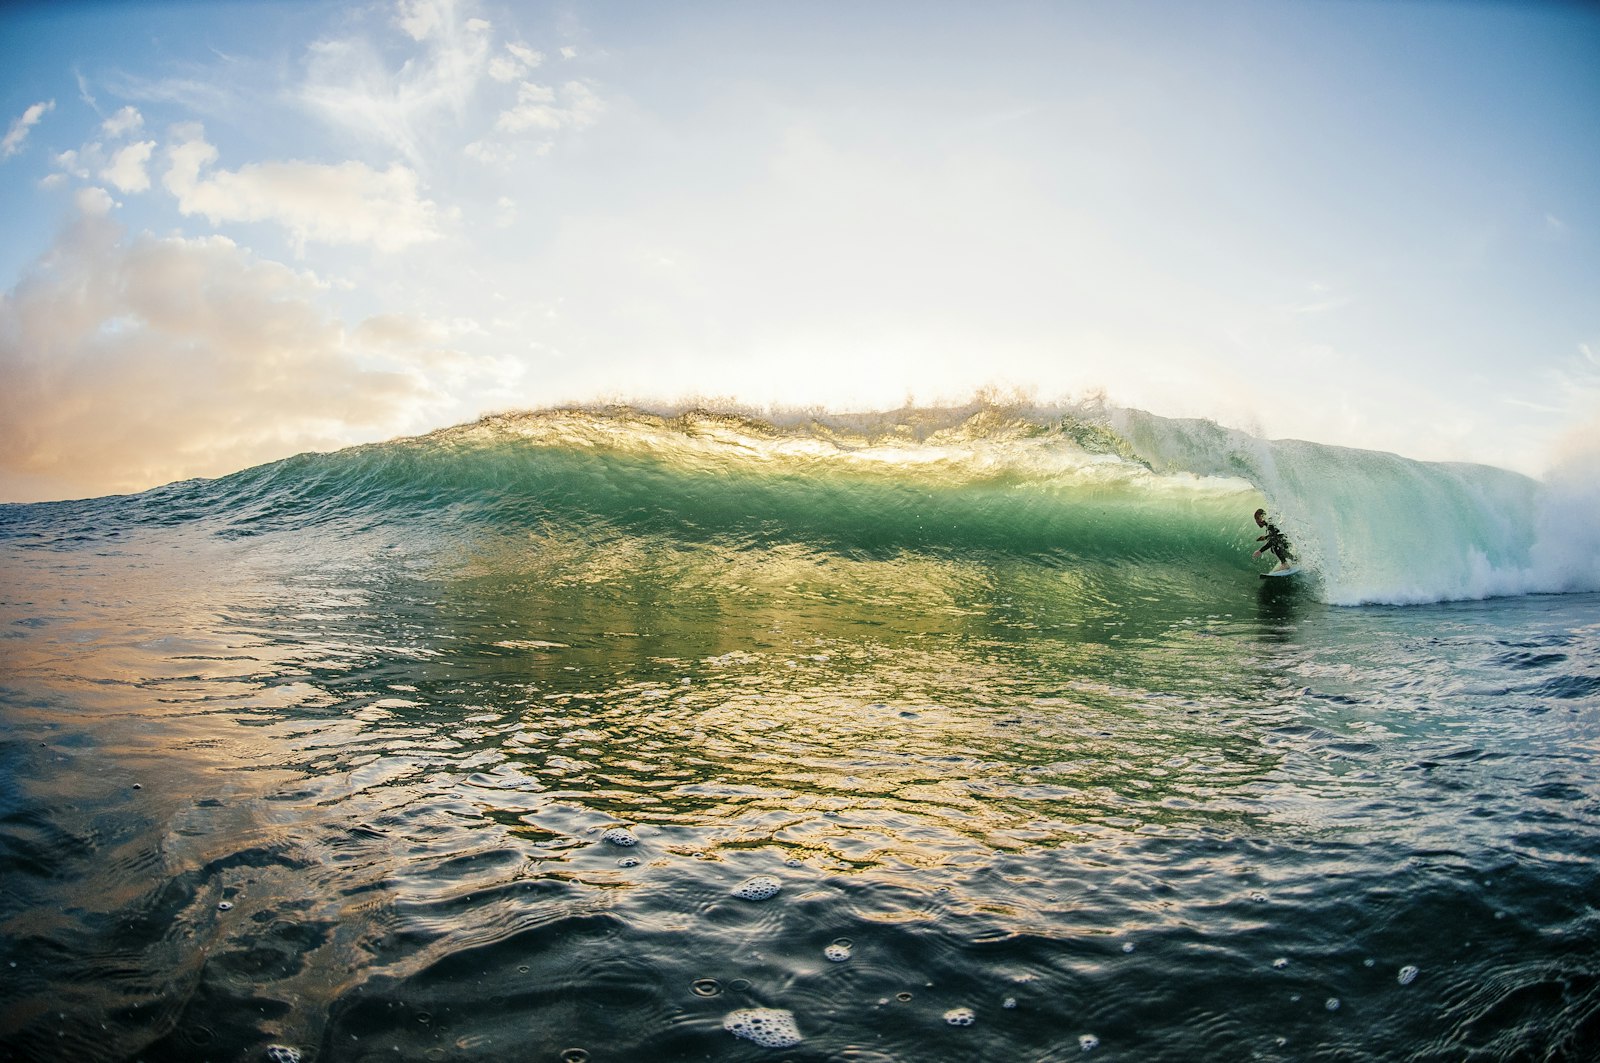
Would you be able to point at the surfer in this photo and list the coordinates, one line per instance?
(1274, 541)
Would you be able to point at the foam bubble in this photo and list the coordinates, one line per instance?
(1408, 974)
(837, 952)
(1009, 1002)
(758, 888)
(1088, 1042)
(1332, 1004)
(282, 1054)
(960, 1017)
(767, 1027)
(1127, 946)
(628, 861)
(1280, 963)
(619, 836)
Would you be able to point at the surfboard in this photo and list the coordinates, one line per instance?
(1280, 572)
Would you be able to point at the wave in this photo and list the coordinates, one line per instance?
(1125, 494)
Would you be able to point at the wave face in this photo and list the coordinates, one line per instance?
(1113, 497)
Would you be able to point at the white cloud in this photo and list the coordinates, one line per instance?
(19, 128)
(130, 362)
(69, 163)
(128, 120)
(127, 170)
(519, 60)
(343, 203)
(93, 202)
(422, 19)
(84, 94)
(352, 84)
(541, 107)
(489, 153)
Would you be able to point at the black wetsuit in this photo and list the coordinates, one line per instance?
(1275, 542)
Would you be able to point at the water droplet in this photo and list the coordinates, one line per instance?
(574, 1055)
(1408, 974)
(224, 906)
(706, 987)
(739, 985)
(1332, 1004)
(902, 997)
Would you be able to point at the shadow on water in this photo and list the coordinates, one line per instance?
(1281, 604)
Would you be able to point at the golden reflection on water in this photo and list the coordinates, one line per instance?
(852, 712)
(849, 711)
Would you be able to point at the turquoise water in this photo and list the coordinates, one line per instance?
(466, 747)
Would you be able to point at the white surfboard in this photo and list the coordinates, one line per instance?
(1280, 572)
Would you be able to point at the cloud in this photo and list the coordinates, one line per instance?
(130, 362)
(127, 168)
(422, 19)
(342, 203)
(93, 202)
(541, 107)
(351, 83)
(518, 61)
(19, 128)
(128, 120)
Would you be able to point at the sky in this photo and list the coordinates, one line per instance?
(231, 232)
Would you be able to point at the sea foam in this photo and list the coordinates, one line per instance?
(767, 1027)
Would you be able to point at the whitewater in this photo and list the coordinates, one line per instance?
(929, 734)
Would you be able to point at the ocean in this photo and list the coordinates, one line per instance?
(969, 734)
